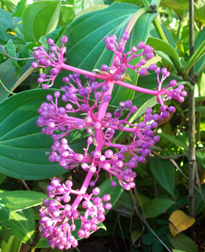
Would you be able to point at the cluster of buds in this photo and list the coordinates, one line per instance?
(90, 102)
(57, 216)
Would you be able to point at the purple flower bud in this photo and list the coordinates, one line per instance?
(108, 153)
(153, 67)
(172, 83)
(142, 62)
(50, 41)
(64, 39)
(94, 85)
(120, 48)
(133, 109)
(113, 184)
(141, 45)
(104, 68)
(96, 191)
(171, 109)
(143, 72)
(126, 36)
(34, 64)
(107, 98)
(149, 55)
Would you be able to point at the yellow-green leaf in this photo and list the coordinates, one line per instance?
(179, 221)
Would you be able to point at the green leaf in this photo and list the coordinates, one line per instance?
(5, 23)
(22, 145)
(164, 171)
(114, 192)
(160, 45)
(5, 233)
(182, 242)
(2, 177)
(4, 213)
(124, 204)
(148, 239)
(22, 224)
(157, 247)
(197, 55)
(9, 78)
(155, 207)
(201, 62)
(21, 6)
(11, 48)
(13, 245)
(176, 250)
(40, 18)
(19, 200)
(79, 5)
(94, 28)
(174, 140)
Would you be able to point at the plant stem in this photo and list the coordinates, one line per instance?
(159, 29)
(191, 101)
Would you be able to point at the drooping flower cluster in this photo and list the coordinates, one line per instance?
(57, 219)
(90, 102)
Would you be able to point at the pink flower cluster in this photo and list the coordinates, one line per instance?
(90, 102)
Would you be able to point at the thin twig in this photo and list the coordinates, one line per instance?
(24, 183)
(145, 222)
(2, 48)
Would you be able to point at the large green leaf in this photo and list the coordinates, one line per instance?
(9, 78)
(86, 47)
(5, 23)
(201, 62)
(40, 18)
(19, 200)
(22, 145)
(160, 45)
(22, 224)
(197, 55)
(79, 5)
(182, 242)
(4, 212)
(155, 207)
(163, 171)
(13, 245)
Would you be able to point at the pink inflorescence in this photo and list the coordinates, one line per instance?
(90, 102)
(58, 216)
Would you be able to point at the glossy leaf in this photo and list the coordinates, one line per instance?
(174, 140)
(164, 172)
(182, 242)
(22, 224)
(22, 145)
(40, 18)
(197, 55)
(201, 62)
(157, 247)
(179, 221)
(13, 245)
(79, 5)
(160, 45)
(124, 204)
(9, 78)
(94, 28)
(155, 207)
(19, 200)
(20, 8)
(5, 23)
(4, 212)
